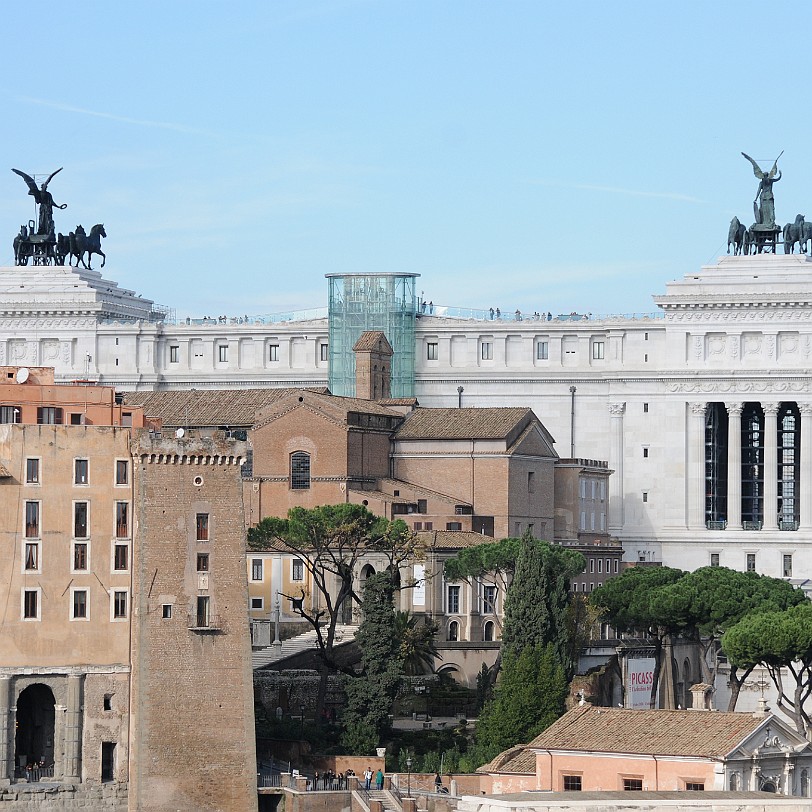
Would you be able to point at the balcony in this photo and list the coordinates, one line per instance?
(752, 525)
(788, 524)
(209, 624)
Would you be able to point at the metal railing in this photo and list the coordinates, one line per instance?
(34, 772)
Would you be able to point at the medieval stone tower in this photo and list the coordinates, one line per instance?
(192, 743)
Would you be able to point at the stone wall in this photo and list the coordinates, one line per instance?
(64, 798)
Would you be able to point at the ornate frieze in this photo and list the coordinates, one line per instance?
(735, 386)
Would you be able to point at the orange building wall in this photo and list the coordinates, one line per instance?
(607, 771)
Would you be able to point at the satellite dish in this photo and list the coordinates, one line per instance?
(179, 433)
(23, 374)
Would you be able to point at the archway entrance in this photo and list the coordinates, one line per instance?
(34, 744)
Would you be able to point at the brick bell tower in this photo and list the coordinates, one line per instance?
(373, 366)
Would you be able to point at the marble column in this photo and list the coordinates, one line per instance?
(6, 726)
(72, 765)
(804, 474)
(616, 412)
(734, 465)
(770, 466)
(696, 466)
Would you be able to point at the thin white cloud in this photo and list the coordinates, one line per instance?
(68, 108)
(618, 190)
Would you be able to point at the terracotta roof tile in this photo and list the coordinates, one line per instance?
(490, 423)
(516, 760)
(451, 539)
(206, 407)
(709, 734)
(370, 340)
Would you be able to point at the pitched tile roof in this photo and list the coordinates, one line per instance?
(491, 423)
(451, 539)
(517, 759)
(206, 407)
(372, 340)
(709, 734)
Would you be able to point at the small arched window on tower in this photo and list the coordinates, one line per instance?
(487, 635)
(453, 631)
(299, 470)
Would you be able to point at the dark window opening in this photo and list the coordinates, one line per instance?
(633, 784)
(47, 415)
(80, 556)
(752, 473)
(80, 520)
(572, 783)
(202, 527)
(108, 762)
(716, 442)
(122, 520)
(121, 557)
(202, 562)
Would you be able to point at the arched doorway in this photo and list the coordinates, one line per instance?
(34, 743)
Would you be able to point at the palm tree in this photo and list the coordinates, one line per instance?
(416, 643)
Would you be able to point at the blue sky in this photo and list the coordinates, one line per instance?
(550, 156)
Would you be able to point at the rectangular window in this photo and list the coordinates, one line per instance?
(324, 352)
(597, 350)
(121, 557)
(203, 618)
(486, 351)
(80, 555)
(122, 472)
(202, 527)
(222, 353)
(32, 520)
(489, 599)
(714, 559)
(49, 416)
(531, 481)
(256, 569)
(174, 354)
(572, 783)
(32, 555)
(787, 566)
(645, 496)
(202, 562)
(751, 562)
(108, 762)
(122, 520)
(79, 604)
(9, 414)
(77, 418)
(119, 604)
(80, 510)
(645, 408)
(257, 603)
(273, 352)
(694, 786)
(432, 351)
(166, 611)
(297, 573)
(453, 525)
(645, 452)
(542, 351)
(592, 565)
(617, 565)
(600, 565)
(31, 604)
(80, 472)
(633, 784)
(422, 505)
(453, 605)
(32, 471)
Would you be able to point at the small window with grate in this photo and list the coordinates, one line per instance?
(299, 470)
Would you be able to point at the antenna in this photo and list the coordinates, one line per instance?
(23, 373)
(179, 433)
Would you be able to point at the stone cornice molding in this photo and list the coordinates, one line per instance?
(739, 386)
(742, 313)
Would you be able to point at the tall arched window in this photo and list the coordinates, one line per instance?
(805, 783)
(734, 782)
(488, 632)
(299, 470)
(453, 630)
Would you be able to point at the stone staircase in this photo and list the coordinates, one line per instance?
(387, 799)
(295, 645)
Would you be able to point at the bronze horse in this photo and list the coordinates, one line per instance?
(82, 243)
(793, 232)
(736, 236)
